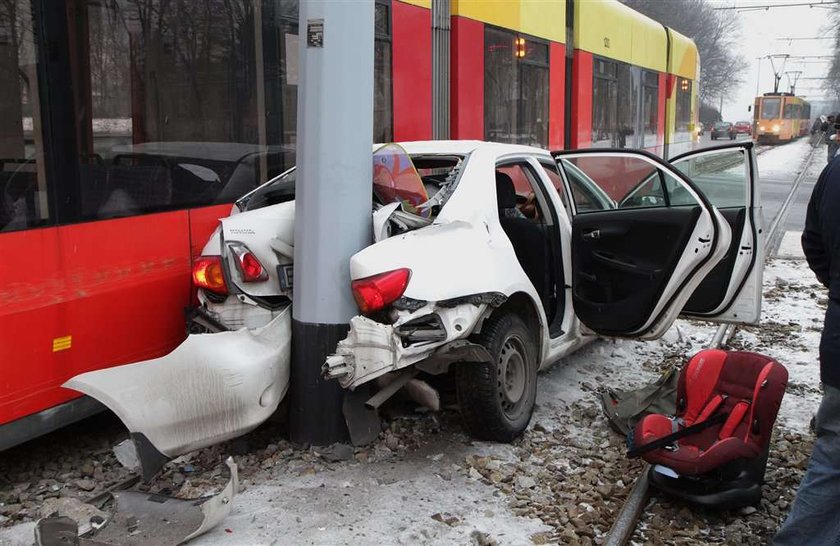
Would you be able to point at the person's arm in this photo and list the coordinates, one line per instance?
(812, 240)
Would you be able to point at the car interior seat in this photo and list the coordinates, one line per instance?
(713, 452)
(528, 239)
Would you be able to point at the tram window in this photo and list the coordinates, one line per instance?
(791, 111)
(177, 107)
(382, 101)
(604, 103)
(770, 108)
(515, 88)
(23, 189)
(650, 107)
(683, 113)
(614, 104)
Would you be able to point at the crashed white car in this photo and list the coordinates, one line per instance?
(495, 259)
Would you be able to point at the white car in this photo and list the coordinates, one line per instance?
(496, 259)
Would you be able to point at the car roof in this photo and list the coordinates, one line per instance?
(461, 147)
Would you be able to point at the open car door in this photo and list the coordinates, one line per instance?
(728, 177)
(638, 256)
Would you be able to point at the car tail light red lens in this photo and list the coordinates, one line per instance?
(379, 291)
(207, 273)
(249, 266)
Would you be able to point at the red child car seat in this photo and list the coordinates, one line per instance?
(715, 449)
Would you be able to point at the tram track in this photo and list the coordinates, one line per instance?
(634, 507)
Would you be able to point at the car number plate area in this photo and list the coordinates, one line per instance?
(286, 274)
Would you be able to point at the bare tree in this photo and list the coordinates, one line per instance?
(832, 83)
(715, 34)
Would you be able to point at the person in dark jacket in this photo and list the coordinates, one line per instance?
(832, 135)
(813, 518)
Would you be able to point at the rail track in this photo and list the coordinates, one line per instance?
(634, 507)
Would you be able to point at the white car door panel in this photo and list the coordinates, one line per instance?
(643, 238)
(728, 176)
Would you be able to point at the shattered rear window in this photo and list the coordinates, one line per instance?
(422, 183)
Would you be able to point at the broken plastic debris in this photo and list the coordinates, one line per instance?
(126, 454)
(143, 518)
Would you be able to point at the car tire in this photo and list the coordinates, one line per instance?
(497, 397)
(714, 138)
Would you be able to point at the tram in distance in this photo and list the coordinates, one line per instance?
(109, 191)
(781, 117)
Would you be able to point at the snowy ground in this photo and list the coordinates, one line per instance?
(396, 501)
(425, 481)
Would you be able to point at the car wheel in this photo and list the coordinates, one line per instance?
(497, 397)
(714, 137)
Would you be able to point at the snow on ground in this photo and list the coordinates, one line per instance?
(794, 309)
(783, 160)
(395, 501)
(424, 498)
(563, 482)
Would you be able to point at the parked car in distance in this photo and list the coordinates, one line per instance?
(743, 128)
(492, 260)
(723, 129)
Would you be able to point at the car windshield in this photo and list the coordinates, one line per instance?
(721, 125)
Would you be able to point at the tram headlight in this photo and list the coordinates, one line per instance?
(776, 128)
(761, 127)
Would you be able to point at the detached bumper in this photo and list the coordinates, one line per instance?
(211, 388)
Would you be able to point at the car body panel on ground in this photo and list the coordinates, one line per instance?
(211, 388)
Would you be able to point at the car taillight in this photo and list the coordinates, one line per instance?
(207, 273)
(248, 264)
(377, 292)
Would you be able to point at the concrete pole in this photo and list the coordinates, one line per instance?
(333, 201)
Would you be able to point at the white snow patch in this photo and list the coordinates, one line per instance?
(791, 245)
(785, 160)
(386, 503)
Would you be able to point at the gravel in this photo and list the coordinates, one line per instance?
(574, 483)
(569, 470)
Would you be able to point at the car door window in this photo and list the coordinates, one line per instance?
(557, 182)
(527, 203)
(732, 291)
(721, 176)
(621, 182)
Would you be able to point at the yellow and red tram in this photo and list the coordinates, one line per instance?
(178, 109)
(781, 117)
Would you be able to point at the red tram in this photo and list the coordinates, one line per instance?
(128, 128)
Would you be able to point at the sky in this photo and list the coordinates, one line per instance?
(762, 33)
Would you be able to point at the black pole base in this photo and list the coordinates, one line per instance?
(315, 404)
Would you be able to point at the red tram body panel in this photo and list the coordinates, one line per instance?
(107, 193)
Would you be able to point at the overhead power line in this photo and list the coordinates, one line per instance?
(791, 39)
(765, 7)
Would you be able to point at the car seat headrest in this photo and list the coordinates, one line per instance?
(505, 191)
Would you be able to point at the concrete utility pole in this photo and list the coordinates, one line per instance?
(333, 201)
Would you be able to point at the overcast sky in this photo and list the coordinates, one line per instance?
(761, 31)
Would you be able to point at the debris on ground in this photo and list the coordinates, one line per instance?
(562, 482)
